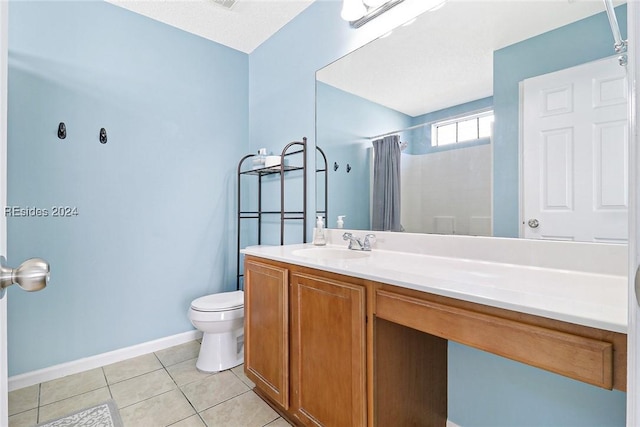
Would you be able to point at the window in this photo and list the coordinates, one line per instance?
(462, 129)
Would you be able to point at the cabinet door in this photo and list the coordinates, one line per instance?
(328, 367)
(266, 314)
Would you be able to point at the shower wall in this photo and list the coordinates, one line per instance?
(448, 192)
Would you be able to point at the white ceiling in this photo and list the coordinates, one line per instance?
(445, 58)
(243, 27)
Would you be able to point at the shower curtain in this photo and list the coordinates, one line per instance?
(386, 184)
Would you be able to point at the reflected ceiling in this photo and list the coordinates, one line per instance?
(472, 29)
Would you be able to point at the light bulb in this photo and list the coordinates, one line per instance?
(353, 10)
(375, 3)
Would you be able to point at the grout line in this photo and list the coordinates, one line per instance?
(189, 401)
(148, 398)
(38, 407)
(226, 400)
(104, 374)
(137, 376)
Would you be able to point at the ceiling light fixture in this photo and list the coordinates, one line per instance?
(374, 3)
(359, 12)
(228, 4)
(352, 10)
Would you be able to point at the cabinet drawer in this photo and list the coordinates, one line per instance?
(581, 358)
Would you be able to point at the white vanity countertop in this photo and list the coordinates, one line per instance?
(586, 298)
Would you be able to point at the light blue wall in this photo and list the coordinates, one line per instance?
(575, 44)
(282, 102)
(282, 77)
(490, 391)
(282, 72)
(155, 225)
(344, 121)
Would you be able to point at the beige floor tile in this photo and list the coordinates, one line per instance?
(72, 404)
(280, 422)
(193, 421)
(179, 353)
(246, 410)
(239, 372)
(23, 399)
(71, 385)
(212, 390)
(142, 387)
(24, 419)
(131, 368)
(186, 372)
(159, 411)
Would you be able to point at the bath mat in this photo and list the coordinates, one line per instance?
(103, 415)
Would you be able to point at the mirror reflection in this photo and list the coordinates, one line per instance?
(473, 99)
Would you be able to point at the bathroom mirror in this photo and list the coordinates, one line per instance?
(465, 58)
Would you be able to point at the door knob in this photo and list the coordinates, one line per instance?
(32, 275)
(533, 223)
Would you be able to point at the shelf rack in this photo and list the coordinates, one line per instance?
(296, 148)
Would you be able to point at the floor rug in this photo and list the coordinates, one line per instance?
(103, 415)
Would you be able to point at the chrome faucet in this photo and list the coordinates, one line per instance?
(357, 244)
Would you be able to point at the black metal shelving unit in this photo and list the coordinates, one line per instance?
(294, 150)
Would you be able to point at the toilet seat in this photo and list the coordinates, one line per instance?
(219, 302)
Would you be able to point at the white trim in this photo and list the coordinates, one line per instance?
(520, 166)
(58, 371)
(451, 424)
(4, 71)
(633, 340)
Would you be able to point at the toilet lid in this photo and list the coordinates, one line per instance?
(219, 302)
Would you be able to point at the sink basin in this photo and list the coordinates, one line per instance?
(329, 253)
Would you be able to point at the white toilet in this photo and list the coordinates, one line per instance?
(221, 319)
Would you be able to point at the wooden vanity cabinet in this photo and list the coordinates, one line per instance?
(327, 352)
(305, 343)
(266, 339)
(331, 350)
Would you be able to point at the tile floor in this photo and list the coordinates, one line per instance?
(155, 390)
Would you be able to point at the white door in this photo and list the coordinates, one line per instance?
(4, 412)
(33, 274)
(633, 355)
(575, 154)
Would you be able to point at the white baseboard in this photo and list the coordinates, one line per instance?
(451, 424)
(58, 371)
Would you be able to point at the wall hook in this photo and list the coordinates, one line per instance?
(335, 166)
(348, 168)
(103, 136)
(62, 131)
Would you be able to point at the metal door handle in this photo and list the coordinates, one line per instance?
(533, 223)
(32, 275)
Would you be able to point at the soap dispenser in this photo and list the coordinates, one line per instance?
(319, 238)
(340, 222)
